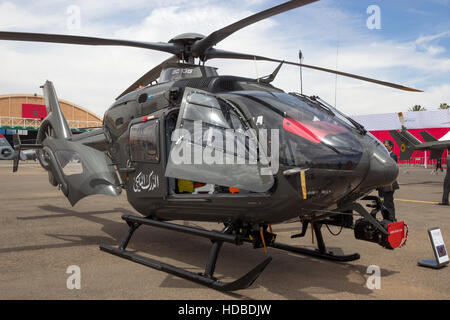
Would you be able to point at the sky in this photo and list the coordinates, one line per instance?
(401, 41)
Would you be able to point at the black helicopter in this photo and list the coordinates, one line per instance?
(313, 166)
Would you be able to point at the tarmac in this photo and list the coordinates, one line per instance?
(41, 235)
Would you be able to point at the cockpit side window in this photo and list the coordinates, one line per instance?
(217, 116)
(144, 141)
(212, 111)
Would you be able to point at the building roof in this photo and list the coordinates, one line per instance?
(24, 95)
(11, 113)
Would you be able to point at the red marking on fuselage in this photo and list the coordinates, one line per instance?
(314, 131)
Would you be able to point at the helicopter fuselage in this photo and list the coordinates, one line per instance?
(325, 160)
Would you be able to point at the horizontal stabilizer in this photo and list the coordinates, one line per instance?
(18, 151)
(406, 146)
(427, 136)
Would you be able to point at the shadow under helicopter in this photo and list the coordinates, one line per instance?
(290, 276)
(421, 183)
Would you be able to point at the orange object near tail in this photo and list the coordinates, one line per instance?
(233, 190)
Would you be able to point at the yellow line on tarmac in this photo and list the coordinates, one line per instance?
(418, 201)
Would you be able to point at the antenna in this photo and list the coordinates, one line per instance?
(256, 69)
(335, 80)
(338, 37)
(300, 57)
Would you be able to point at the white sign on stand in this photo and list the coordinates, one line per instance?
(439, 249)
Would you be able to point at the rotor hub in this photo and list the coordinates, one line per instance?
(186, 38)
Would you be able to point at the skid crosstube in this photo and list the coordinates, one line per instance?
(321, 252)
(316, 253)
(207, 278)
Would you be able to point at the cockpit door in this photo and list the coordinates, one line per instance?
(211, 144)
(145, 156)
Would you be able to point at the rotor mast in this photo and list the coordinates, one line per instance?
(186, 40)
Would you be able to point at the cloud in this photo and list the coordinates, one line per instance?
(13, 17)
(93, 76)
(423, 43)
(426, 39)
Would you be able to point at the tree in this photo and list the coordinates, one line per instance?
(444, 106)
(417, 108)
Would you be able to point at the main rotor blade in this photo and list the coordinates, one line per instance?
(215, 53)
(91, 41)
(147, 78)
(200, 47)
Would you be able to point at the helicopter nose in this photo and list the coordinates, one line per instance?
(382, 170)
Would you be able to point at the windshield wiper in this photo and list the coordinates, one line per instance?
(314, 102)
(358, 126)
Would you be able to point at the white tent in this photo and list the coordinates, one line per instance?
(445, 137)
(413, 120)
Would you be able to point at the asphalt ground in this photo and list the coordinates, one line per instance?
(41, 235)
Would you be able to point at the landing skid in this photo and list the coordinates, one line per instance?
(218, 238)
(316, 253)
(206, 278)
(321, 252)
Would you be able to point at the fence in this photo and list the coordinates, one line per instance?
(24, 123)
(420, 162)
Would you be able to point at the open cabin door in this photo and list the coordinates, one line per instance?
(212, 144)
(79, 170)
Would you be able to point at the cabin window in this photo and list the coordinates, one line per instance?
(144, 142)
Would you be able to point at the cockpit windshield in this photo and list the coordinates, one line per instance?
(302, 109)
(312, 134)
(341, 116)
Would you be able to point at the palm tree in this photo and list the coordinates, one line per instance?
(417, 108)
(444, 106)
